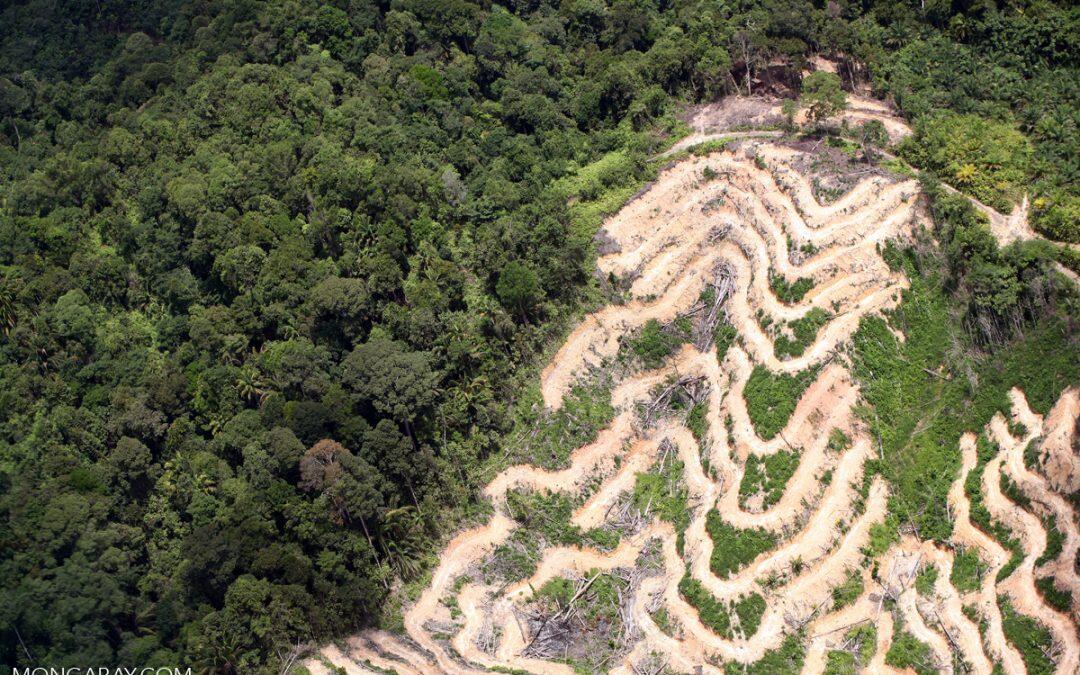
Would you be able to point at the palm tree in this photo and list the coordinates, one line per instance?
(290, 332)
(7, 309)
(218, 655)
(401, 537)
(250, 384)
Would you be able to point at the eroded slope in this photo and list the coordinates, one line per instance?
(768, 552)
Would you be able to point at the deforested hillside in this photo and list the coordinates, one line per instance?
(445, 335)
(739, 510)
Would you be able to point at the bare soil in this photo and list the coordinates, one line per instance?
(753, 210)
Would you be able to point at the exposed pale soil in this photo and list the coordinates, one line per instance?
(757, 215)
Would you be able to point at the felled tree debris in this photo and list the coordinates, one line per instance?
(687, 391)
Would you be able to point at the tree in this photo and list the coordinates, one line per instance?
(391, 452)
(401, 537)
(239, 267)
(789, 108)
(983, 158)
(822, 96)
(357, 494)
(338, 309)
(747, 44)
(393, 380)
(518, 288)
(8, 315)
(872, 135)
(320, 466)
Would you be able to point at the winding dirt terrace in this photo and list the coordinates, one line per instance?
(745, 214)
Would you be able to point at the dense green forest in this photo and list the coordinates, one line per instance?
(273, 273)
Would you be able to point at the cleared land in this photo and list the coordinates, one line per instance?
(808, 571)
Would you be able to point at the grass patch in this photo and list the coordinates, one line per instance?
(733, 548)
(771, 398)
(787, 658)
(898, 166)
(717, 615)
(1028, 636)
(849, 591)
(767, 475)
(967, 570)
(907, 651)
(709, 147)
(921, 392)
(663, 491)
(804, 330)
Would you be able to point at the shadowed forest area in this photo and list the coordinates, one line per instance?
(273, 275)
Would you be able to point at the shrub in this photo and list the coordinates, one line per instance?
(986, 159)
(653, 343)
(787, 658)
(724, 337)
(732, 547)
(907, 651)
(924, 583)
(697, 422)
(750, 610)
(664, 492)
(716, 614)
(1055, 542)
(771, 398)
(1056, 216)
(789, 292)
(805, 330)
(849, 662)
(966, 570)
(849, 591)
(547, 438)
(920, 401)
(838, 440)
(1030, 637)
(1059, 600)
(768, 475)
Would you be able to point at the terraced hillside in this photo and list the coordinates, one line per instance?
(723, 519)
